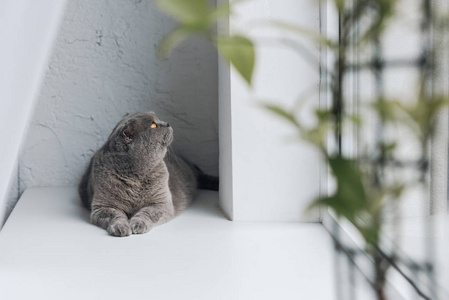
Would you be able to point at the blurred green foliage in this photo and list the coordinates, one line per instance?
(199, 18)
(359, 197)
(362, 192)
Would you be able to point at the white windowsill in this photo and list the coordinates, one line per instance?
(49, 250)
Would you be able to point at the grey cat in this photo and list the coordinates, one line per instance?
(134, 182)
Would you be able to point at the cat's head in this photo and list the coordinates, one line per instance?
(143, 134)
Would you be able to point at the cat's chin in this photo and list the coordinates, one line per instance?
(168, 138)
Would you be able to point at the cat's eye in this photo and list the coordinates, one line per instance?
(153, 125)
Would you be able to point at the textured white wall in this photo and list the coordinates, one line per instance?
(104, 65)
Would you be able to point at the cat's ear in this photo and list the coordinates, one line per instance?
(128, 134)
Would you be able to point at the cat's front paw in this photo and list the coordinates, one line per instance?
(139, 225)
(119, 228)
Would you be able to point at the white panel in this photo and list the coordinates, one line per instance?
(225, 127)
(27, 30)
(274, 175)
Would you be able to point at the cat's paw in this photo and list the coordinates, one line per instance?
(119, 228)
(139, 226)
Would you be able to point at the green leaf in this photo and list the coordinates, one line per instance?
(386, 109)
(349, 180)
(222, 10)
(174, 38)
(340, 4)
(388, 148)
(351, 201)
(355, 119)
(282, 113)
(187, 11)
(331, 202)
(379, 20)
(313, 34)
(350, 196)
(317, 135)
(423, 113)
(239, 51)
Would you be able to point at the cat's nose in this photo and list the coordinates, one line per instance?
(166, 124)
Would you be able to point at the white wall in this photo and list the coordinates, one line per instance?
(27, 31)
(104, 65)
(269, 175)
(439, 147)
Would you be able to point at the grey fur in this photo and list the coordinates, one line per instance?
(135, 182)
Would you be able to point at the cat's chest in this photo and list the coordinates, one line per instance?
(148, 191)
(152, 187)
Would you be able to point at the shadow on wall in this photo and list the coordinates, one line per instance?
(104, 65)
(187, 97)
